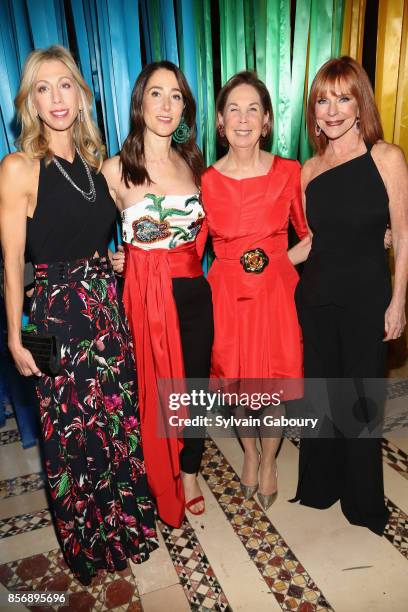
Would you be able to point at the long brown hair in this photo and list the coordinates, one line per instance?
(246, 77)
(344, 72)
(132, 154)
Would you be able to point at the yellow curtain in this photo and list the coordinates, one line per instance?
(388, 79)
(353, 29)
(391, 77)
(401, 111)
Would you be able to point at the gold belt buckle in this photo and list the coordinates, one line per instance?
(254, 260)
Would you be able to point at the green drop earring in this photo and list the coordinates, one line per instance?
(182, 133)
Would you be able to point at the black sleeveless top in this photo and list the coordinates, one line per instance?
(347, 211)
(65, 226)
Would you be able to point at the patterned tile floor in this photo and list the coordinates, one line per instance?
(8, 437)
(22, 523)
(282, 573)
(396, 530)
(23, 484)
(395, 457)
(397, 388)
(201, 586)
(195, 573)
(48, 572)
(287, 579)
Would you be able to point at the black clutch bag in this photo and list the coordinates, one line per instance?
(46, 351)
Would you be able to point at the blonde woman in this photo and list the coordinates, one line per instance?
(55, 203)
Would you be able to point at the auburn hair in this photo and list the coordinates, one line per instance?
(132, 155)
(349, 76)
(33, 139)
(246, 77)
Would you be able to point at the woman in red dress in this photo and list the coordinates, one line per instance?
(249, 197)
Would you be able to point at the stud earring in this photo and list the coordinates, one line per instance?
(318, 130)
(182, 133)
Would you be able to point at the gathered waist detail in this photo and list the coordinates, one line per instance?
(64, 272)
(232, 250)
(236, 257)
(182, 261)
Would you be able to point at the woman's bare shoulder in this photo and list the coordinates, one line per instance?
(111, 168)
(387, 153)
(309, 170)
(19, 172)
(14, 163)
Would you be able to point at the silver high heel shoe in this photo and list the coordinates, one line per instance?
(249, 491)
(266, 501)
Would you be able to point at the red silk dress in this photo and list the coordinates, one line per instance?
(257, 334)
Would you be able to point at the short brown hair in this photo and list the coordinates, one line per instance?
(344, 70)
(246, 77)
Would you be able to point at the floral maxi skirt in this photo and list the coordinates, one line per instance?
(90, 421)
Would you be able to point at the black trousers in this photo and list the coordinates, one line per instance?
(194, 307)
(342, 341)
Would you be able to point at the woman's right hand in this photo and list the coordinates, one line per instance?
(118, 260)
(24, 361)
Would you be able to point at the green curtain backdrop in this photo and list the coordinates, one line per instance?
(257, 34)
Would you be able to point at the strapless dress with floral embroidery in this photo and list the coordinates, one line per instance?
(163, 222)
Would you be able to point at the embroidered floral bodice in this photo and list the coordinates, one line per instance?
(162, 222)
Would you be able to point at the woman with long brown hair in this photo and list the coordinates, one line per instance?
(346, 305)
(155, 182)
(55, 203)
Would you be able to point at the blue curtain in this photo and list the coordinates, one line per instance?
(107, 36)
(10, 71)
(47, 21)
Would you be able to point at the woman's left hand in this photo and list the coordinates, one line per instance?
(394, 320)
(388, 238)
(118, 260)
(300, 252)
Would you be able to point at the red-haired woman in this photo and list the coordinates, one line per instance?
(156, 185)
(346, 305)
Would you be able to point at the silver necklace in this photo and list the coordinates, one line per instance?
(88, 195)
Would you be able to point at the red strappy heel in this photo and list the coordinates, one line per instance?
(191, 503)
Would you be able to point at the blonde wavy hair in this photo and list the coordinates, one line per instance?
(33, 140)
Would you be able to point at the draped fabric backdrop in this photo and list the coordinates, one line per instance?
(285, 41)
